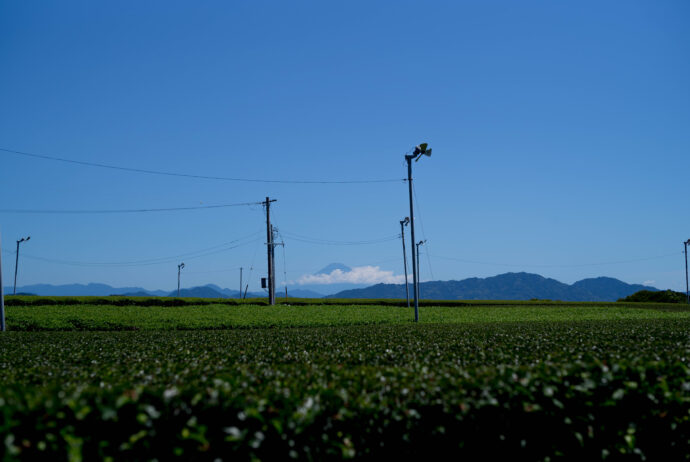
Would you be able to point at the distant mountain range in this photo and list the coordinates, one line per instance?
(508, 286)
(103, 290)
(93, 289)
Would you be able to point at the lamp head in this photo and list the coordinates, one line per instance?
(406, 221)
(421, 150)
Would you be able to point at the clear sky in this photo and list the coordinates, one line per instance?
(560, 133)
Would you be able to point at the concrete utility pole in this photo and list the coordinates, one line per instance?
(179, 270)
(2, 294)
(16, 263)
(275, 244)
(273, 264)
(687, 291)
(402, 235)
(418, 152)
(269, 248)
(418, 265)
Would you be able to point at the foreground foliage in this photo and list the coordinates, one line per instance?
(527, 390)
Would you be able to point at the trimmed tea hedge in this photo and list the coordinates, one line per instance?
(117, 300)
(528, 391)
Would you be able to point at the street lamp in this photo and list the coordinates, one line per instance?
(179, 269)
(404, 223)
(419, 151)
(16, 262)
(418, 265)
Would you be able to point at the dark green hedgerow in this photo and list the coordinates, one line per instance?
(563, 391)
(583, 411)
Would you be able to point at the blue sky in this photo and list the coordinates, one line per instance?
(559, 131)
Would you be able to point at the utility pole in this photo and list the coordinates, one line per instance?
(687, 292)
(402, 235)
(275, 244)
(2, 294)
(269, 248)
(240, 294)
(16, 263)
(179, 270)
(273, 264)
(418, 152)
(418, 265)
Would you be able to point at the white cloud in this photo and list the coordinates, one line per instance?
(648, 283)
(357, 275)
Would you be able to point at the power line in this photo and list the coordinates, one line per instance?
(313, 240)
(421, 222)
(170, 209)
(579, 265)
(154, 261)
(187, 175)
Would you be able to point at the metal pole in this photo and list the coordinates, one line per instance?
(2, 294)
(240, 294)
(16, 266)
(179, 269)
(407, 287)
(409, 158)
(687, 292)
(269, 245)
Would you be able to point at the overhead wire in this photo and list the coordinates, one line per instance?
(103, 211)
(578, 265)
(148, 262)
(251, 267)
(318, 241)
(188, 175)
(421, 222)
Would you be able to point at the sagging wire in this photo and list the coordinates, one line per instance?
(421, 222)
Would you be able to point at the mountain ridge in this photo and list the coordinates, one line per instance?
(506, 286)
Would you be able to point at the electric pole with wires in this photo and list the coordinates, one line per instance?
(687, 289)
(404, 223)
(2, 294)
(274, 244)
(179, 270)
(16, 262)
(270, 253)
(420, 243)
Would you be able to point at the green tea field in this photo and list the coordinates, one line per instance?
(532, 381)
